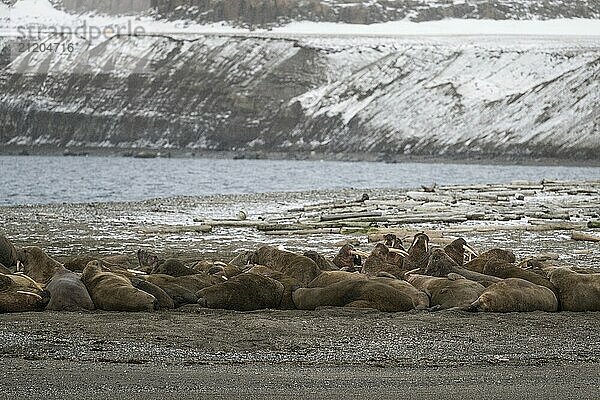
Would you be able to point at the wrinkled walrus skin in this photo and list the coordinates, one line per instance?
(112, 292)
(16, 298)
(576, 291)
(355, 293)
(37, 264)
(298, 267)
(516, 295)
(243, 292)
(448, 293)
(68, 293)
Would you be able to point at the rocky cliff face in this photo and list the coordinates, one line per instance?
(264, 12)
(259, 13)
(465, 97)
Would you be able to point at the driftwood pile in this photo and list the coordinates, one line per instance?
(518, 206)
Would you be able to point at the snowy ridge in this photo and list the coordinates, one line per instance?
(451, 96)
(385, 89)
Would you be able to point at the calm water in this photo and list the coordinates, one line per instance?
(29, 180)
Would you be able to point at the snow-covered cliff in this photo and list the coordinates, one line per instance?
(384, 94)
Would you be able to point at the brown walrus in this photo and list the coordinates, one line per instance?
(298, 267)
(323, 263)
(8, 254)
(243, 259)
(112, 292)
(381, 260)
(456, 251)
(170, 285)
(78, 263)
(479, 262)
(393, 242)
(36, 264)
(503, 270)
(173, 267)
(243, 292)
(163, 299)
(419, 298)
(346, 259)
(452, 292)
(217, 267)
(576, 291)
(418, 253)
(354, 293)
(289, 284)
(330, 277)
(15, 298)
(440, 265)
(67, 292)
(516, 295)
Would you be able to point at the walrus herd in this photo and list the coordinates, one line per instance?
(390, 278)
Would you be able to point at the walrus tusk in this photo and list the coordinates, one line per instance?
(412, 271)
(35, 284)
(403, 253)
(361, 253)
(470, 252)
(220, 263)
(19, 266)
(30, 294)
(136, 271)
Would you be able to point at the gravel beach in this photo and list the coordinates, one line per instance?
(336, 353)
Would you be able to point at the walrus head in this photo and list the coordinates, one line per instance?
(420, 243)
(380, 250)
(148, 260)
(392, 241)
(439, 264)
(37, 264)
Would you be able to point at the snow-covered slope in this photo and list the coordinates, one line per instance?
(331, 88)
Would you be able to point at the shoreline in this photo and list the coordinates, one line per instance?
(466, 159)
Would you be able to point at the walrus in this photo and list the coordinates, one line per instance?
(323, 263)
(243, 259)
(14, 298)
(503, 270)
(67, 292)
(452, 292)
(8, 254)
(37, 264)
(346, 259)
(576, 291)
(170, 285)
(26, 283)
(78, 263)
(298, 267)
(330, 277)
(163, 299)
(479, 262)
(287, 281)
(217, 267)
(515, 295)
(391, 241)
(243, 292)
(419, 298)
(354, 293)
(440, 265)
(112, 292)
(173, 267)
(382, 260)
(182, 289)
(418, 253)
(456, 251)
